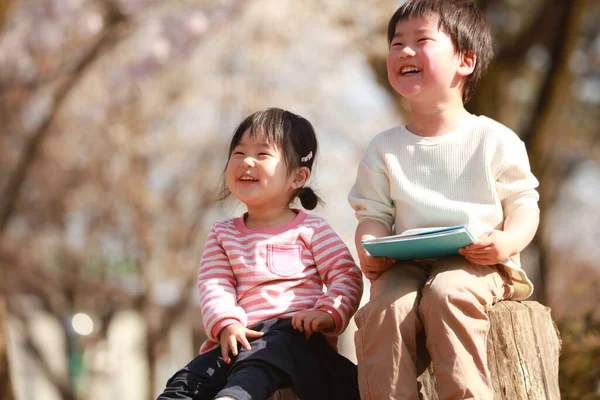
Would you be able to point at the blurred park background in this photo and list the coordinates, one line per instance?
(115, 116)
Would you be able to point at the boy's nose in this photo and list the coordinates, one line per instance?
(407, 51)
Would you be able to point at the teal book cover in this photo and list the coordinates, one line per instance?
(436, 242)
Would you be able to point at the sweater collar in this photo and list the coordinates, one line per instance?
(240, 224)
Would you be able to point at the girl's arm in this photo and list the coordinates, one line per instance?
(340, 274)
(216, 285)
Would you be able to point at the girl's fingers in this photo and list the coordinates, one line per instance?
(225, 353)
(244, 342)
(233, 346)
(297, 323)
(253, 334)
(308, 328)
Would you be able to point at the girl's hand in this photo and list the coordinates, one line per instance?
(373, 267)
(313, 321)
(231, 335)
(493, 247)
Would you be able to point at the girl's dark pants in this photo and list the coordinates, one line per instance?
(282, 357)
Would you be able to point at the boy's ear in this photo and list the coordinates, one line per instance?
(300, 177)
(468, 60)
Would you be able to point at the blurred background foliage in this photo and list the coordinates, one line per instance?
(115, 116)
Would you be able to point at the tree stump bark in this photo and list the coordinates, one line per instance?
(523, 350)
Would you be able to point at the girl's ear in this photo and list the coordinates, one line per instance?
(468, 60)
(300, 177)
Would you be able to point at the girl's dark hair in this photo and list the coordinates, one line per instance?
(291, 133)
(466, 25)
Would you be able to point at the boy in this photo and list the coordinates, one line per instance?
(445, 167)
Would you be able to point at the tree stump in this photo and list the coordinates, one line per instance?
(523, 350)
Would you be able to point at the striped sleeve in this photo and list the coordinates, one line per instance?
(216, 285)
(340, 274)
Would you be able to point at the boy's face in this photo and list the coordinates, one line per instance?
(422, 64)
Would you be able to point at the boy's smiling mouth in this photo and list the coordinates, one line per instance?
(409, 70)
(248, 179)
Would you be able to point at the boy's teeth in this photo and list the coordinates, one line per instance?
(407, 70)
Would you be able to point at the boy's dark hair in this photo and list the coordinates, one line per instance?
(291, 133)
(466, 25)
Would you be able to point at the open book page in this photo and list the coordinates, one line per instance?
(428, 243)
(419, 233)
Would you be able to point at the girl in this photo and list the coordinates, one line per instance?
(269, 322)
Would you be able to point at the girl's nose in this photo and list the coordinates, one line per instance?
(247, 162)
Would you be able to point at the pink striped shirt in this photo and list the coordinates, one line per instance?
(251, 275)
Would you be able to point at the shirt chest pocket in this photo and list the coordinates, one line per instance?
(284, 259)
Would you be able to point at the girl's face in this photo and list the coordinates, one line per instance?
(257, 175)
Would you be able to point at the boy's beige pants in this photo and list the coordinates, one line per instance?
(437, 307)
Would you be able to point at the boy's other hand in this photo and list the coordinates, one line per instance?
(313, 321)
(373, 267)
(231, 335)
(493, 247)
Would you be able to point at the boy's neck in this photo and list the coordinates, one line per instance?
(437, 120)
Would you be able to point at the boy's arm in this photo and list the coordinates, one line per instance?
(371, 266)
(516, 188)
(521, 224)
(496, 246)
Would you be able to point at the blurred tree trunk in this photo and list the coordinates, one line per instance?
(16, 180)
(549, 170)
(555, 28)
(6, 391)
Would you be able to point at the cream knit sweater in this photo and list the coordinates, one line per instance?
(475, 175)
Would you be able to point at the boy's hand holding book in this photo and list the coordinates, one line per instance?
(493, 247)
(372, 266)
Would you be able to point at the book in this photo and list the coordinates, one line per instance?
(428, 243)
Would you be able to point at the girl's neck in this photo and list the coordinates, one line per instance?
(437, 121)
(272, 218)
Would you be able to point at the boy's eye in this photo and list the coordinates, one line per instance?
(237, 153)
(396, 44)
(423, 39)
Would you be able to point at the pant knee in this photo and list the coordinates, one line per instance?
(389, 313)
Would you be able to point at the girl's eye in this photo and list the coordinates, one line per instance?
(423, 39)
(396, 44)
(237, 153)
